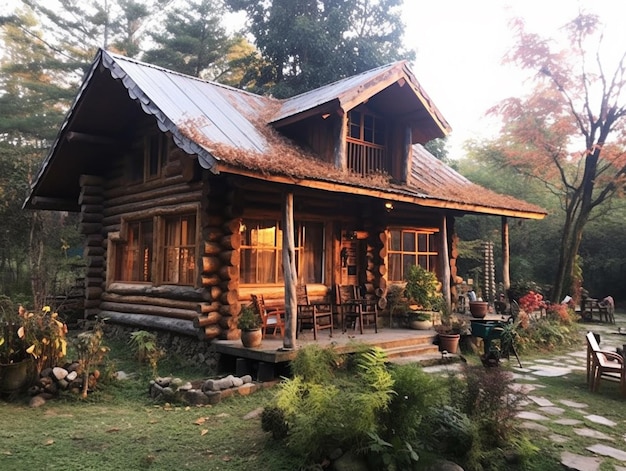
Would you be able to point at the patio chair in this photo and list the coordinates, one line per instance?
(355, 308)
(603, 365)
(271, 319)
(317, 316)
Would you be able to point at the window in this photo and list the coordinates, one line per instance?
(134, 258)
(366, 142)
(147, 156)
(179, 250)
(261, 251)
(407, 247)
(140, 252)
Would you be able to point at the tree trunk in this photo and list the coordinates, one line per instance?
(290, 274)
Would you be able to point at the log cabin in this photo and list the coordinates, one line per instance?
(194, 195)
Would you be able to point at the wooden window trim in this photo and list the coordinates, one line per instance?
(430, 252)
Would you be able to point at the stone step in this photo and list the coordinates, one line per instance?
(411, 350)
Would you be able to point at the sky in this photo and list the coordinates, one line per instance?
(459, 47)
(460, 44)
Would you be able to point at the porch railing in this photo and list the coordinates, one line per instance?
(365, 158)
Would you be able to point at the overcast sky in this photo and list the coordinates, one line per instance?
(460, 45)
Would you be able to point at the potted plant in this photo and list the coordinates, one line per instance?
(449, 332)
(249, 322)
(24, 337)
(422, 297)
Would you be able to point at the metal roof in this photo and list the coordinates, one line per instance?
(230, 129)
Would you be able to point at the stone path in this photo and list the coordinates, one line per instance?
(606, 438)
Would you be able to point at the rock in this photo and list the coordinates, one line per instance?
(253, 414)
(195, 397)
(71, 376)
(211, 385)
(227, 382)
(168, 393)
(122, 375)
(34, 390)
(156, 391)
(237, 382)
(246, 379)
(37, 401)
(63, 384)
(443, 465)
(246, 389)
(59, 373)
(186, 387)
(176, 383)
(163, 382)
(74, 366)
(45, 373)
(214, 396)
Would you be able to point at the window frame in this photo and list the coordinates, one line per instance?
(300, 228)
(149, 154)
(431, 252)
(158, 217)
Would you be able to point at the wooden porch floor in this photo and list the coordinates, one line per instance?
(397, 343)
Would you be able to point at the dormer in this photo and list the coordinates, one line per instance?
(366, 123)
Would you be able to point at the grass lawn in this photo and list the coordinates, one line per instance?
(120, 428)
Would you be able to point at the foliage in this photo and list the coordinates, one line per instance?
(341, 413)
(421, 287)
(448, 430)
(531, 302)
(273, 421)
(305, 44)
(546, 335)
(568, 134)
(390, 456)
(12, 345)
(90, 351)
(194, 41)
(521, 287)
(44, 336)
(315, 364)
(146, 348)
(248, 319)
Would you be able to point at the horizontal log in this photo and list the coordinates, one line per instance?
(89, 182)
(210, 264)
(232, 310)
(210, 280)
(180, 326)
(185, 293)
(93, 251)
(232, 226)
(91, 208)
(150, 205)
(91, 303)
(213, 234)
(94, 240)
(382, 270)
(205, 308)
(314, 290)
(94, 271)
(215, 292)
(232, 241)
(209, 333)
(149, 310)
(227, 322)
(93, 292)
(229, 285)
(150, 301)
(230, 257)
(90, 228)
(119, 195)
(227, 272)
(215, 220)
(212, 318)
(212, 248)
(93, 281)
(229, 297)
(90, 218)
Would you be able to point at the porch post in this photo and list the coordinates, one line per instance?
(506, 276)
(289, 271)
(445, 262)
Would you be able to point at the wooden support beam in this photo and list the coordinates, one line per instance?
(290, 273)
(506, 256)
(445, 262)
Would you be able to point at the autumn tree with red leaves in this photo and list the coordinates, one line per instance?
(570, 132)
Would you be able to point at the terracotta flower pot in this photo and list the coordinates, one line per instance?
(479, 309)
(251, 338)
(449, 342)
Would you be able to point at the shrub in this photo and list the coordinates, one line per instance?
(448, 430)
(315, 364)
(273, 420)
(146, 348)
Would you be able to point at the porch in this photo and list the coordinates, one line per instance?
(270, 361)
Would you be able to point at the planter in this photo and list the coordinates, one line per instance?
(449, 342)
(251, 338)
(479, 309)
(15, 376)
(420, 325)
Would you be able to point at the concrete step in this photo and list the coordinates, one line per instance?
(412, 350)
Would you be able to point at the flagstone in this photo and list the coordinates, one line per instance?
(574, 404)
(569, 422)
(552, 410)
(579, 462)
(591, 433)
(526, 415)
(598, 419)
(609, 451)
(541, 401)
(534, 426)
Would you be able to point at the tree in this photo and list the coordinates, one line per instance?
(193, 42)
(569, 133)
(309, 43)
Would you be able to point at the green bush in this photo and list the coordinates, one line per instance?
(448, 430)
(315, 364)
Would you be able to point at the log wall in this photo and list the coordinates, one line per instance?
(91, 200)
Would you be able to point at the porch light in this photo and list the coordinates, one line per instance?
(388, 206)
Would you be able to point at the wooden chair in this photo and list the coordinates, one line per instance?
(354, 307)
(603, 365)
(317, 316)
(272, 319)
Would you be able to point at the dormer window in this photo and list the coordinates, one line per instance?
(366, 142)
